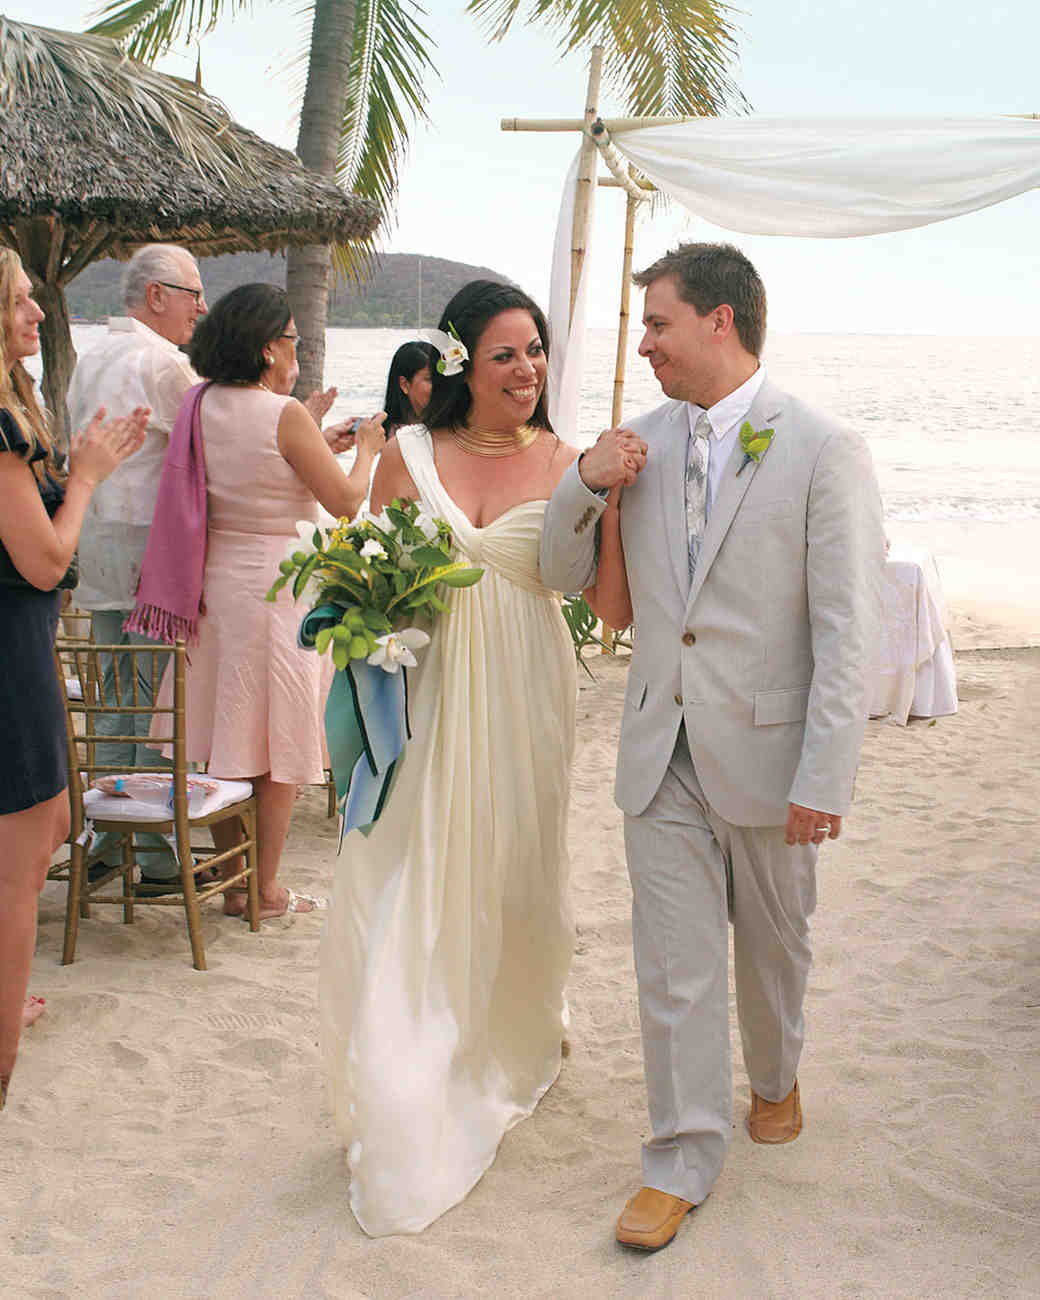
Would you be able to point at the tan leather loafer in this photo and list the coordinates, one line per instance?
(651, 1219)
(775, 1121)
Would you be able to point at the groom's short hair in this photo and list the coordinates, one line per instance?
(709, 274)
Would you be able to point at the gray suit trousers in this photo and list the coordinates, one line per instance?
(691, 873)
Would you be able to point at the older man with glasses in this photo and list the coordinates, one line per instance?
(137, 363)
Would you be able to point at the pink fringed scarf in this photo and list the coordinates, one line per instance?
(169, 592)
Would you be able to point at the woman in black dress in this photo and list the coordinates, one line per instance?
(40, 519)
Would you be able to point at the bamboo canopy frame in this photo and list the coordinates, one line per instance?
(100, 154)
(596, 141)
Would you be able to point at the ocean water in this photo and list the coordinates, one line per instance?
(952, 424)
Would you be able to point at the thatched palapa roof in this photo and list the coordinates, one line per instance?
(96, 139)
(100, 153)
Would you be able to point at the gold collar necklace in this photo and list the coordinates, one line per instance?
(493, 442)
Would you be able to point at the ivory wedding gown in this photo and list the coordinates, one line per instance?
(450, 934)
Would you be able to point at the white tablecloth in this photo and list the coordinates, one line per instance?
(915, 673)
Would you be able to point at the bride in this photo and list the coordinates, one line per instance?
(450, 933)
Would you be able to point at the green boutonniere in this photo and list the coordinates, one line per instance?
(755, 443)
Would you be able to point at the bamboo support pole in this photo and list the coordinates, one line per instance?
(610, 183)
(612, 124)
(583, 196)
(631, 204)
(623, 313)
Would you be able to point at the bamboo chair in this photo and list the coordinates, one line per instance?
(90, 810)
(74, 627)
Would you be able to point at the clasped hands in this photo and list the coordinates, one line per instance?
(615, 460)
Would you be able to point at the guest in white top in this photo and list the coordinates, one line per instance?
(138, 363)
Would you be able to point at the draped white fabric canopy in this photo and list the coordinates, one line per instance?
(826, 178)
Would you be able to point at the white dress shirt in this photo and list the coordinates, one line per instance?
(725, 418)
(132, 366)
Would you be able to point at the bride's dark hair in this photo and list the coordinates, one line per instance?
(470, 311)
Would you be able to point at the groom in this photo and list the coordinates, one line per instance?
(754, 581)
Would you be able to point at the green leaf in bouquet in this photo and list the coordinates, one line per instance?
(398, 516)
(340, 655)
(287, 567)
(276, 587)
(344, 555)
(376, 620)
(436, 603)
(316, 538)
(358, 648)
(321, 641)
(462, 577)
(301, 578)
(400, 581)
(427, 556)
(339, 593)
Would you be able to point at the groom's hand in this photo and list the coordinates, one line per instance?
(807, 826)
(616, 458)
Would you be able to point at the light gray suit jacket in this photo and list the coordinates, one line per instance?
(768, 655)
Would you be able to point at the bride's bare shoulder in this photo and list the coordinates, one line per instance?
(563, 456)
(392, 478)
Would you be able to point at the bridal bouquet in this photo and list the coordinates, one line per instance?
(368, 581)
(380, 572)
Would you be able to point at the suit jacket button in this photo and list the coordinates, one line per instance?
(678, 700)
(688, 638)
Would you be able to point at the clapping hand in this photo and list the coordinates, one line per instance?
(319, 404)
(615, 460)
(98, 449)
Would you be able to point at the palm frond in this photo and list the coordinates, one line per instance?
(391, 58)
(90, 70)
(666, 58)
(148, 28)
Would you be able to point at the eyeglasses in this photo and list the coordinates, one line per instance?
(294, 339)
(195, 293)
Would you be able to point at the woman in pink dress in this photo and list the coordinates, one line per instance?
(255, 699)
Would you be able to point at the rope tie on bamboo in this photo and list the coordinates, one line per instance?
(600, 136)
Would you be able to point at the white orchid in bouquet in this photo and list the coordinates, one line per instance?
(371, 579)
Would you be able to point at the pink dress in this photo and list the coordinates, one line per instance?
(255, 700)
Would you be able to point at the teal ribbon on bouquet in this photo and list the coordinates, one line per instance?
(366, 728)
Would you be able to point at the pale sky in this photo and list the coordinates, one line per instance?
(473, 193)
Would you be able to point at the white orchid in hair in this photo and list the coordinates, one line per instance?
(452, 349)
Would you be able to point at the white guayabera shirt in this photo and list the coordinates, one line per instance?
(132, 366)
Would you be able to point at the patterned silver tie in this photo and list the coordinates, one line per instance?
(697, 486)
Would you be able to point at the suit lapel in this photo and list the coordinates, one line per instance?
(733, 487)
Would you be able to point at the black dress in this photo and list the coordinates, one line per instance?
(33, 753)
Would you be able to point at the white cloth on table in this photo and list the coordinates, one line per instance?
(131, 366)
(450, 934)
(916, 675)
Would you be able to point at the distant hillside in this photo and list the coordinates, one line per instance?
(390, 297)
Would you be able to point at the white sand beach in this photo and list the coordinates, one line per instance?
(167, 1132)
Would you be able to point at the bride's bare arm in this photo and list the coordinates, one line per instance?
(609, 597)
(392, 478)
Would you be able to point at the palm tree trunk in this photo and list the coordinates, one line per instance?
(308, 270)
(59, 358)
